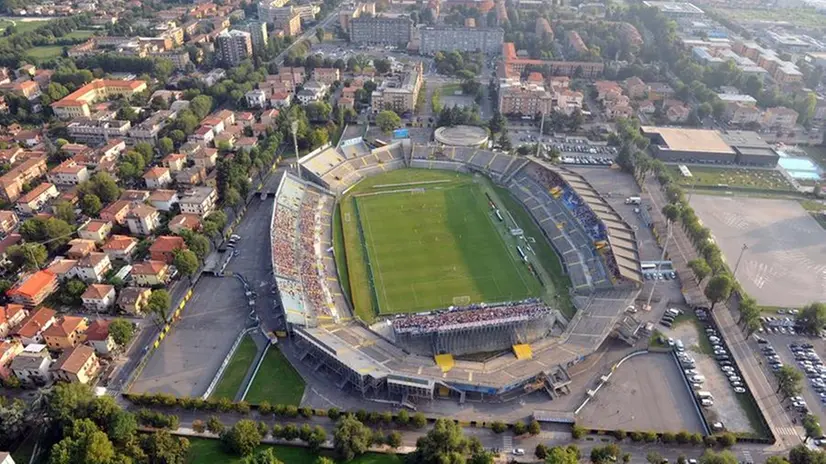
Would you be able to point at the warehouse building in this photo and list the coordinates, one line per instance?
(678, 145)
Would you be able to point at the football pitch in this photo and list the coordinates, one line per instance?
(428, 240)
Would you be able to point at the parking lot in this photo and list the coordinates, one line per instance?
(719, 377)
(645, 393)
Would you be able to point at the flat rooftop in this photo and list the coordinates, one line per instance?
(696, 140)
(676, 7)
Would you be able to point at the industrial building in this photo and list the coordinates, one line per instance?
(671, 144)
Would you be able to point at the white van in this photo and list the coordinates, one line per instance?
(672, 312)
(633, 200)
(707, 402)
(705, 395)
(698, 379)
(680, 346)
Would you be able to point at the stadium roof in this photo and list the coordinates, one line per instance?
(620, 235)
(690, 140)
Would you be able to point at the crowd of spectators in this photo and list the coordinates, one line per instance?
(283, 242)
(312, 270)
(470, 315)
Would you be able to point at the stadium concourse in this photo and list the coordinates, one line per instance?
(598, 251)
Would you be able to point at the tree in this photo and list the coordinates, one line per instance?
(186, 261)
(519, 428)
(534, 428)
(318, 137)
(214, 425)
(351, 438)
(671, 212)
(654, 457)
(158, 304)
(394, 439)
(122, 426)
(64, 211)
(419, 420)
(166, 145)
(812, 317)
(163, 447)
(71, 291)
(483, 457)
(788, 381)
(562, 455)
(232, 197)
(91, 205)
(498, 427)
(83, 443)
(121, 331)
(445, 442)
(197, 243)
(812, 426)
(604, 454)
(402, 418)
(723, 457)
(718, 289)
(201, 106)
(388, 120)
(264, 456)
(30, 256)
(382, 66)
(700, 268)
(242, 438)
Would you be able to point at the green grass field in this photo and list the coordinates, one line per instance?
(429, 249)
(205, 451)
(276, 381)
(80, 34)
(45, 52)
(733, 177)
(236, 370)
(21, 26)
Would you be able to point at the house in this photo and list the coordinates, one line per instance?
(120, 247)
(8, 221)
(31, 202)
(157, 177)
(190, 177)
(256, 98)
(133, 299)
(268, 117)
(659, 91)
(647, 107)
(149, 273)
(98, 297)
(30, 291)
(135, 196)
(10, 317)
(33, 325)
(185, 221)
(280, 99)
(326, 75)
(31, 366)
(780, 117)
(5, 244)
(96, 230)
(93, 267)
(69, 172)
(63, 268)
(202, 135)
(245, 118)
(80, 365)
(116, 212)
(12, 182)
(80, 247)
(607, 90)
(205, 158)
(174, 161)
(199, 200)
(313, 91)
(9, 349)
(215, 123)
(143, 220)
(165, 247)
(98, 337)
(65, 333)
(676, 111)
(246, 143)
(163, 199)
(635, 88)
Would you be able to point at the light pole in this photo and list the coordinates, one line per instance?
(742, 250)
(294, 128)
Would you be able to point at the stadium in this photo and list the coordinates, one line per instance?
(412, 271)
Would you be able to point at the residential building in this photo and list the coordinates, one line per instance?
(8, 222)
(157, 177)
(382, 29)
(399, 92)
(199, 201)
(93, 267)
(9, 349)
(120, 247)
(135, 197)
(258, 36)
(326, 75)
(203, 135)
(78, 365)
(97, 131)
(149, 273)
(185, 221)
(31, 366)
(116, 212)
(205, 158)
(68, 172)
(466, 39)
(635, 88)
(256, 98)
(11, 316)
(543, 29)
(98, 337)
(148, 130)
(31, 328)
(676, 111)
(164, 200)
(780, 117)
(132, 299)
(512, 63)
(165, 247)
(190, 177)
(96, 230)
(33, 201)
(233, 47)
(677, 10)
(63, 268)
(98, 297)
(576, 43)
(65, 333)
(77, 103)
(174, 161)
(80, 247)
(31, 290)
(350, 12)
(11, 183)
(524, 98)
(280, 100)
(739, 114)
(313, 91)
(143, 220)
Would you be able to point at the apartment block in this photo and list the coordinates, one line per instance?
(466, 39)
(388, 30)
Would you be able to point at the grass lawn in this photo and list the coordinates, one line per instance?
(236, 370)
(80, 34)
(733, 177)
(450, 89)
(341, 254)
(205, 451)
(435, 247)
(276, 381)
(45, 52)
(21, 26)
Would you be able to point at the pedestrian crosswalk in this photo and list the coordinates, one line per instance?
(507, 442)
(788, 431)
(747, 457)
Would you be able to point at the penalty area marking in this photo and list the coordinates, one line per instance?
(461, 300)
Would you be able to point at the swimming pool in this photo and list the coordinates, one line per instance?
(799, 167)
